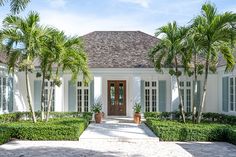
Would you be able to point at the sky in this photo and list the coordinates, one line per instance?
(79, 17)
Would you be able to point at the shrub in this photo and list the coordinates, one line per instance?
(168, 130)
(5, 135)
(17, 116)
(207, 117)
(55, 129)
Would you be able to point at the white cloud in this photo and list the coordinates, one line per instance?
(57, 3)
(79, 24)
(143, 3)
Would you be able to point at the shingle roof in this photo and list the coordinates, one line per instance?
(119, 49)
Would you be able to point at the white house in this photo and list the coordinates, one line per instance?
(121, 76)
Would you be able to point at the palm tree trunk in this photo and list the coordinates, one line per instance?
(181, 106)
(49, 102)
(42, 96)
(29, 97)
(204, 91)
(195, 88)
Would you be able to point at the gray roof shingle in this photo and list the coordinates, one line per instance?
(119, 49)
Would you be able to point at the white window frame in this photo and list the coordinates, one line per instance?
(6, 94)
(47, 88)
(185, 88)
(234, 94)
(83, 88)
(150, 88)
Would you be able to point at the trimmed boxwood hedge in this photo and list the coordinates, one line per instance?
(18, 116)
(55, 129)
(5, 135)
(168, 130)
(206, 117)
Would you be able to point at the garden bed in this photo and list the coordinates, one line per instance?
(55, 129)
(171, 130)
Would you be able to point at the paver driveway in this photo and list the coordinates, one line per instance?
(136, 141)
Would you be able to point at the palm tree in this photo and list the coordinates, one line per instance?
(15, 5)
(214, 34)
(168, 52)
(192, 64)
(21, 37)
(68, 55)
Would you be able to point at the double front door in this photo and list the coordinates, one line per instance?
(116, 98)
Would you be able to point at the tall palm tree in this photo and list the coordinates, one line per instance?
(168, 52)
(21, 36)
(214, 34)
(192, 65)
(68, 55)
(15, 5)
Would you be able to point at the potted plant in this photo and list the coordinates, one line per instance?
(137, 113)
(96, 109)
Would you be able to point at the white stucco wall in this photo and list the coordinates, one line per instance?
(133, 78)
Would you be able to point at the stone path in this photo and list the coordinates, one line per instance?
(115, 139)
(117, 130)
(100, 148)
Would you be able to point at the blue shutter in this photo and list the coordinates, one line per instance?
(10, 94)
(225, 93)
(162, 96)
(71, 97)
(37, 95)
(92, 92)
(142, 94)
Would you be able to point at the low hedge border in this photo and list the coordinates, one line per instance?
(170, 130)
(18, 116)
(207, 117)
(55, 129)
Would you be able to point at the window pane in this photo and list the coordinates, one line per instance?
(79, 100)
(112, 93)
(154, 84)
(188, 101)
(154, 102)
(121, 94)
(147, 100)
(181, 84)
(86, 100)
(188, 84)
(4, 102)
(146, 84)
(79, 84)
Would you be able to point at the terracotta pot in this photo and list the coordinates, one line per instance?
(137, 118)
(98, 117)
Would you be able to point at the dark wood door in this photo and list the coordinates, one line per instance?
(116, 97)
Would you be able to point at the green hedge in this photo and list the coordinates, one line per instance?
(5, 135)
(55, 129)
(168, 130)
(17, 116)
(207, 117)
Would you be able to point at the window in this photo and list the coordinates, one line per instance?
(232, 94)
(82, 97)
(47, 89)
(185, 89)
(150, 96)
(6, 93)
